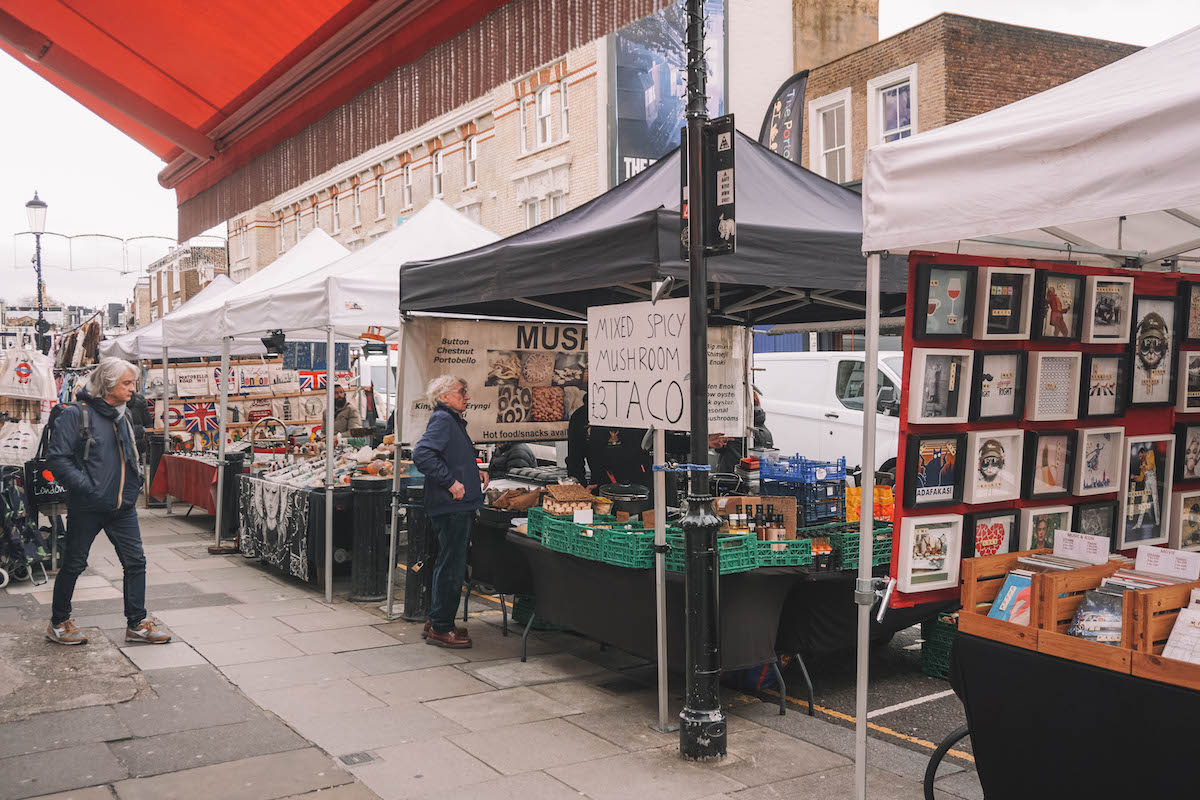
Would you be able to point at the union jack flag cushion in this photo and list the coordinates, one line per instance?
(311, 380)
(200, 417)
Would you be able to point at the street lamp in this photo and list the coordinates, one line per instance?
(35, 209)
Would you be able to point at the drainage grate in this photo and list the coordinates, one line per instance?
(356, 758)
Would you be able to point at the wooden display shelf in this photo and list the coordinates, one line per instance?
(982, 579)
(216, 398)
(232, 425)
(1154, 615)
(1059, 597)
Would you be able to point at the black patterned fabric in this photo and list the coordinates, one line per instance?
(274, 525)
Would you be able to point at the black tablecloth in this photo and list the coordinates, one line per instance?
(616, 605)
(494, 560)
(1047, 727)
(285, 527)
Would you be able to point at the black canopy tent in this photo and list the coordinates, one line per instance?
(798, 259)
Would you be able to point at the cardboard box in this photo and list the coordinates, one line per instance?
(724, 506)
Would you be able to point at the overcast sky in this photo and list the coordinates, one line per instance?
(96, 180)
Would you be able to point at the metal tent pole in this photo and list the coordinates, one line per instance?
(166, 417)
(329, 375)
(397, 428)
(864, 594)
(223, 390)
(660, 574)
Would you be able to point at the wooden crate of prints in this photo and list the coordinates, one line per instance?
(1154, 615)
(982, 579)
(1059, 595)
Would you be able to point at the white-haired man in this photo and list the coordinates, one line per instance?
(93, 452)
(453, 492)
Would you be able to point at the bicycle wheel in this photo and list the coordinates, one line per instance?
(935, 760)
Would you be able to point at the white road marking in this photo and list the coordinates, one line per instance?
(909, 703)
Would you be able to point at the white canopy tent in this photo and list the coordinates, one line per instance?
(147, 341)
(1100, 170)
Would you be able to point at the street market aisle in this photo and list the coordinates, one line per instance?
(267, 692)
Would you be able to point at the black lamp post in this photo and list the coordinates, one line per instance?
(35, 209)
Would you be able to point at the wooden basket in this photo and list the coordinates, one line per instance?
(982, 579)
(1154, 615)
(1059, 597)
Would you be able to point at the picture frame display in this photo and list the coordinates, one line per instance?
(992, 472)
(1146, 474)
(1189, 320)
(1108, 307)
(930, 552)
(1188, 399)
(1187, 447)
(1052, 390)
(1059, 307)
(998, 386)
(1049, 462)
(1185, 520)
(945, 301)
(1103, 385)
(941, 389)
(933, 473)
(1003, 302)
(990, 533)
(1097, 519)
(1153, 348)
(1098, 460)
(1038, 525)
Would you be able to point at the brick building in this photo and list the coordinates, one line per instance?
(944, 70)
(180, 275)
(139, 304)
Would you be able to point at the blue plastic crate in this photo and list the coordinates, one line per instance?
(799, 469)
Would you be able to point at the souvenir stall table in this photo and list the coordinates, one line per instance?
(190, 478)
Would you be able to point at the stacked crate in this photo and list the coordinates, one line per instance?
(818, 486)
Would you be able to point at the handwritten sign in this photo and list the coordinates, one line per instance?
(1081, 546)
(1172, 563)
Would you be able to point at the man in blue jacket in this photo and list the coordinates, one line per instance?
(97, 460)
(453, 492)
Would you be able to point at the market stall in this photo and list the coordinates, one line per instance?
(1100, 336)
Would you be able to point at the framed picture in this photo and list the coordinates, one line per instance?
(941, 392)
(1103, 386)
(1185, 520)
(1189, 323)
(933, 473)
(998, 386)
(1146, 469)
(1152, 360)
(993, 467)
(1188, 399)
(1038, 525)
(930, 550)
(1187, 445)
(990, 533)
(945, 301)
(1003, 302)
(1058, 307)
(1097, 519)
(1052, 390)
(1049, 463)
(1108, 306)
(1098, 470)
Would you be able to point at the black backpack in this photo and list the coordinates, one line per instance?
(41, 487)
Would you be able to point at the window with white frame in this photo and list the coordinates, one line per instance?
(174, 280)
(407, 199)
(154, 289)
(892, 106)
(541, 107)
(380, 196)
(829, 136)
(564, 109)
(471, 157)
(245, 239)
(316, 213)
(438, 173)
(279, 230)
(533, 213)
(337, 211)
(357, 205)
(558, 204)
(521, 123)
(296, 219)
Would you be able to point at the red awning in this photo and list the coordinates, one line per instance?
(209, 86)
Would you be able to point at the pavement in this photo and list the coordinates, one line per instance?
(268, 692)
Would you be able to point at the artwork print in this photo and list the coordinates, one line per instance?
(929, 552)
(1099, 461)
(1109, 310)
(1191, 296)
(1189, 377)
(1055, 386)
(946, 305)
(1043, 526)
(1147, 487)
(1060, 307)
(941, 387)
(1004, 300)
(935, 470)
(1096, 519)
(1103, 386)
(992, 533)
(1188, 440)
(994, 471)
(1153, 351)
(1048, 464)
(1188, 522)
(998, 385)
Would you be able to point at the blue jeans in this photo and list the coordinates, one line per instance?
(122, 530)
(453, 533)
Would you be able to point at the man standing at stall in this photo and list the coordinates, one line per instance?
(346, 416)
(453, 492)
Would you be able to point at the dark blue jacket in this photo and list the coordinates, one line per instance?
(445, 454)
(110, 478)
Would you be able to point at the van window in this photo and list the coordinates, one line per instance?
(850, 384)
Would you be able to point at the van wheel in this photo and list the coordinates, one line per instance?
(888, 467)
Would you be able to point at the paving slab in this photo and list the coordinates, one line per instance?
(507, 673)
(200, 616)
(489, 644)
(421, 685)
(288, 672)
(401, 631)
(194, 565)
(645, 775)
(499, 709)
(162, 656)
(93, 793)
(527, 786)
(584, 696)
(187, 698)
(339, 617)
(231, 631)
(258, 778)
(964, 784)
(171, 752)
(534, 746)
(422, 768)
(155, 605)
(347, 791)
(246, 651)
(315, 698)
(271, 594)
(767, 756)
(280, 607)
(58, 771)
(627, 727)
(56, 730)
(401, 657)
(106, 592)
(102, 621)
(881, 785)
(354, 731)
(339, 640)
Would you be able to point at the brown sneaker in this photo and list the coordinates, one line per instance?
(66, 633)
(146, 633)
(453, 639)
(429, 626)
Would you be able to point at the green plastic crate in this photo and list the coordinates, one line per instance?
(787, 553)
(631, 548)
(939, 635)
(736, 553)
(845, 548)
(537, 523)
(559, 539)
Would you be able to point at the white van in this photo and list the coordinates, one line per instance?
(814, 404)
